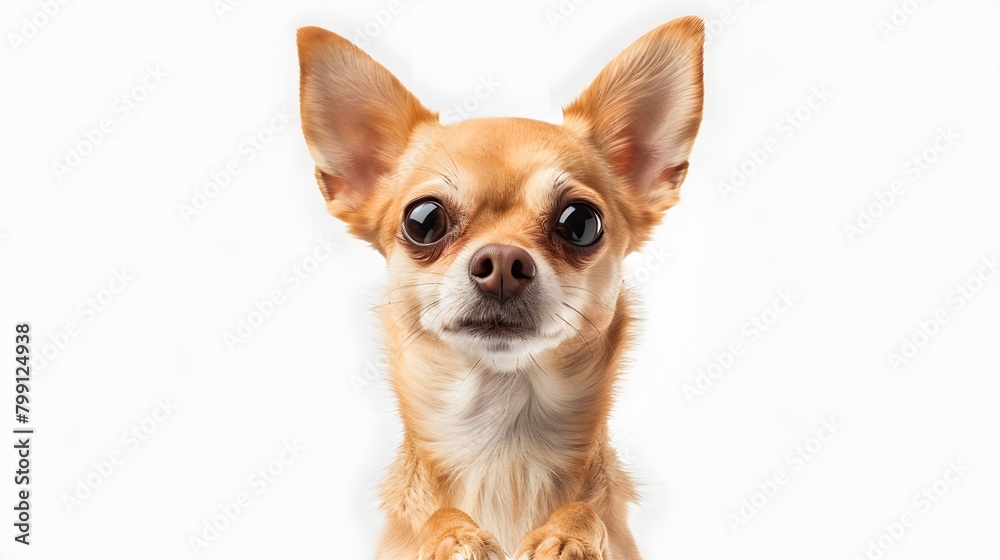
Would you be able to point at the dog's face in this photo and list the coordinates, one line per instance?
(504, 237)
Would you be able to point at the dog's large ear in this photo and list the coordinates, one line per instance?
(644, 109)
(357, 119)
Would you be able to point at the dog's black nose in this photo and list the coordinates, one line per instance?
(501, 271)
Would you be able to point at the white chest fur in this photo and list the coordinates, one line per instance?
(506, 442)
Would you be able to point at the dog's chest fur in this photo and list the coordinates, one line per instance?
(508, 444)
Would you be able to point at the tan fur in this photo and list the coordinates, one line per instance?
(505, 448)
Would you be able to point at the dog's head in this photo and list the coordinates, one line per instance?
(504, 237)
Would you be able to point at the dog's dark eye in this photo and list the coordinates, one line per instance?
(426, 222)
(580, 224)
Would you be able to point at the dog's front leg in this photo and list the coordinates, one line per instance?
(574, 531)
(450, 534)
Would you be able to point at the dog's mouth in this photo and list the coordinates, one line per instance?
(495, 328)
(486, 324)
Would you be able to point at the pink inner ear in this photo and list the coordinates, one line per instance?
(356, 116)
(625, 162)
(636, 161)
(651, 149)
(645, 107)
(674, 176)
(362, 165)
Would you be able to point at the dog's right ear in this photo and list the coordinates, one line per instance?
(643, 110)
(357, 119)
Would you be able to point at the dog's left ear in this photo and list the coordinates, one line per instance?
(644, 109)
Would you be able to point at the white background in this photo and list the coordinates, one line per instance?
(716, 263)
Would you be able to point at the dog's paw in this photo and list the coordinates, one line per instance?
(462, 544)
(556, 547)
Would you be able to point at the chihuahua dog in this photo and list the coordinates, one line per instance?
(505, 315)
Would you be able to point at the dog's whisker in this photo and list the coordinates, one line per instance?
(404, 349)
(607, 342)
(414, 285)
(598, 301)
(437, 316)
(413, 326)
(474, 366)
(416, 309)
(587, 319)
(448, 181)
(578, 332)
(530, 355)
(454, 165)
